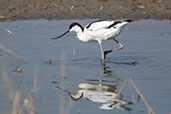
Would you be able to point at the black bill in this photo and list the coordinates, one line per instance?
(60, 35)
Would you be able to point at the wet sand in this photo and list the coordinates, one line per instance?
(75, 9)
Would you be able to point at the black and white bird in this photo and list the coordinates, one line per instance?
(98, 31)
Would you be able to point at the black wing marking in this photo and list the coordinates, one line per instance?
(93, 22)
(115, 23)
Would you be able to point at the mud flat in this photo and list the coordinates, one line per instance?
(81, 9)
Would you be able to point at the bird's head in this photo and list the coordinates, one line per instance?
(74, 27)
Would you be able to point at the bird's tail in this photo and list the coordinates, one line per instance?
(128, 20)
(124, 23)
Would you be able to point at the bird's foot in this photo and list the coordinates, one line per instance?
(106, 52)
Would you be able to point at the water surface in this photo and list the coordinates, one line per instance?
(87, 86)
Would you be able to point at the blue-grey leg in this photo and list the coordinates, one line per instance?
(102, 53)
(113, 50)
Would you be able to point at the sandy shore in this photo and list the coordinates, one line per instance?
(79, 9)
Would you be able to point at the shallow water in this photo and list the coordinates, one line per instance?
(86, 85)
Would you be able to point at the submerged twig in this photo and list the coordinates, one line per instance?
(34, 91)
(9, 32)
(16, 103)
(123, 86)
(62, 75)
(10, 52)
(7, 86)
(150, 111)
(131, 92)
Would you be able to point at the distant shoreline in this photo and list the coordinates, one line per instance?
(81, 9)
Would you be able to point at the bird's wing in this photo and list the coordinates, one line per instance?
(100, 24)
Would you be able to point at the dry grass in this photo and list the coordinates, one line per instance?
(129, 81)
(20, 103)
(62, 76)
(13, 96)
(11, 52)
(26, 104)
(62, 108)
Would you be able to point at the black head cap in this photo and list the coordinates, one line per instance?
(76, 24)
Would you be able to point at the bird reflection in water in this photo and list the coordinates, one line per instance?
(99, 92)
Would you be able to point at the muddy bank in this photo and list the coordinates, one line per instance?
(69, 9)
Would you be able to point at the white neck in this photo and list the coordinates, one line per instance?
(80, 33)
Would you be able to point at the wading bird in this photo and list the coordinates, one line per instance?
(98, 31)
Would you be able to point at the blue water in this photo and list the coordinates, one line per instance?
(87, 86)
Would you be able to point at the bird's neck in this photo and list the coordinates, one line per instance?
(80, 33)
(81, 36)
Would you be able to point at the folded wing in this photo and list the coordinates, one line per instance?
(100, 24)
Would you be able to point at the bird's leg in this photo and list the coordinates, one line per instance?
(101, 49)
(113, 50)
(106, 52)
(117, 49)
(121, 46)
